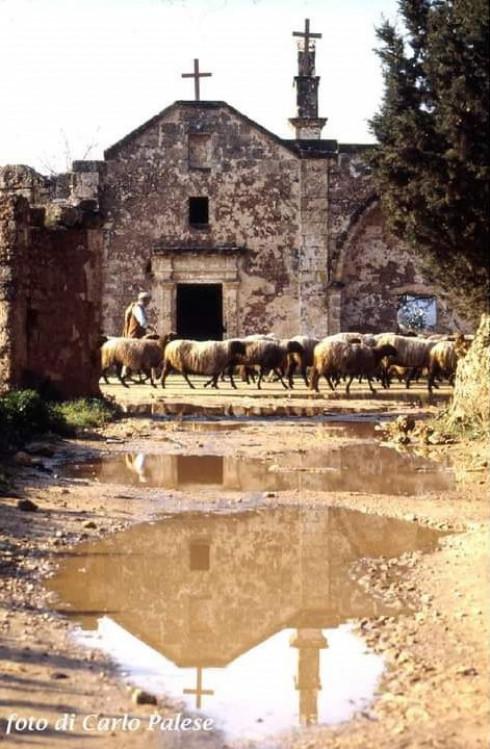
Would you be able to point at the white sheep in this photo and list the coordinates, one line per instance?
(210, 358)
(133, 354)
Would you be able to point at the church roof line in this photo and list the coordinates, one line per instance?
(303, 148)
(112, 150)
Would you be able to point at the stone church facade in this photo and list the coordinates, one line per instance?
(232, 229)
(237, 231)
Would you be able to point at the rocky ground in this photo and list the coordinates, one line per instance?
(435, 690)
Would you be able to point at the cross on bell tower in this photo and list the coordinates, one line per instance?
(307, 123)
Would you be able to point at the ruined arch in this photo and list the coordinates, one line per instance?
(346, 238)
(372, 271)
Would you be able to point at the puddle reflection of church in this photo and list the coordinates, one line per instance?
(204, 589)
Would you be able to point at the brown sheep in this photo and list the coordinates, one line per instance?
(333, 359)
(269, 355)
(443, 360)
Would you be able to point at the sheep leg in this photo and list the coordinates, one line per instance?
(410, 376)
(314, 380)
(261, 376)
(290, 373)
(431, 380)
(165, 370)
(186, 378)
(152, 371)
(347, 387)
(104, 375)
(330, 383)
(279, 375)
(122, 374)
(370, 383)
(233, 385)
(213, 381)
(304, 374)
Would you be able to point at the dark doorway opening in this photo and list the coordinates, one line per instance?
(200, 311)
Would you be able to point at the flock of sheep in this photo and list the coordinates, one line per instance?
(340, 357)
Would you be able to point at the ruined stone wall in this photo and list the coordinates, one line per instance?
(376, 271)
(49, 298)
(14, 236)
(369, 269)
(253, 185)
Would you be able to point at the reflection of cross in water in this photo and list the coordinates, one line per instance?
(198, 691)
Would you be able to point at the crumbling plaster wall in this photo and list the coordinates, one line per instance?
(369, 269)
(49, 298)
(375, 270)
(253, 183)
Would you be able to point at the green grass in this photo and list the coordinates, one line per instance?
(86, 413)
(24, 414)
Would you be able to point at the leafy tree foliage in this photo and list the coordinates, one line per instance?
(431, 166)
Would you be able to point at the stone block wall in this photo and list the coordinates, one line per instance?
(252, 182)
(49, 298)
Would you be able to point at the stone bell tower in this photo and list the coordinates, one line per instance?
(307, 124)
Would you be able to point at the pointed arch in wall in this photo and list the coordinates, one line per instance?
(345, 239)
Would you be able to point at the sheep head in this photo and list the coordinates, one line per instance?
(385, 350)
(238, 348)
(294, 347)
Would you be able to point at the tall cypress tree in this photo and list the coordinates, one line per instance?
(431, 166)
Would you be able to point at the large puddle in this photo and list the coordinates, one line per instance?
(359, 467)
(240, 616)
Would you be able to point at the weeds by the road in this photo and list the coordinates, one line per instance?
(25, 414)
(84, 413)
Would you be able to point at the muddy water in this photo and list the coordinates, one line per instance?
(241, 616)
(348, 428)
(359, 467)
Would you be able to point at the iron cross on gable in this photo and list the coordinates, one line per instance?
(196, 75)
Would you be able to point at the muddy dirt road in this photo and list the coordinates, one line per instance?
(289, 577)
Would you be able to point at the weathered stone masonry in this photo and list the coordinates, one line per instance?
(49, 297)
(294, 234)
(232, 229)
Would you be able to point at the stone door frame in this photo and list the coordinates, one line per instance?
(173, 267)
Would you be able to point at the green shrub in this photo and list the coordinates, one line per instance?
(25, 414)
(84, 413)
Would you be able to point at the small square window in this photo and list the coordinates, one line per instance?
(199, 212)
